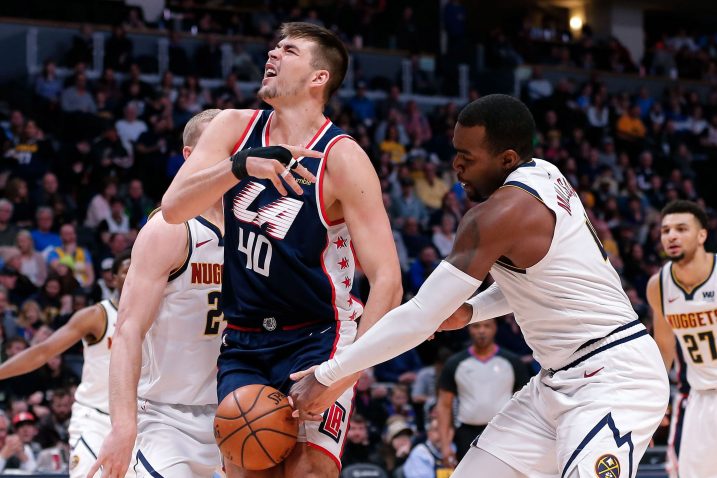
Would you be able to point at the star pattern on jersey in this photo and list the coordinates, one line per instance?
(351, 301)
(346, 282)
(353, 316)
(343, 263)
(340, 242)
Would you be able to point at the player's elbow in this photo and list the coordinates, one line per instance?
(394, 284)
(172, 210)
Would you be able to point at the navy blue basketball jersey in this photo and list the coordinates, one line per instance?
(285, 263)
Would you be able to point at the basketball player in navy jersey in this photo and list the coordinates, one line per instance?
(289, 255)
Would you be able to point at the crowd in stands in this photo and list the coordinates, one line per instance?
(84, 164)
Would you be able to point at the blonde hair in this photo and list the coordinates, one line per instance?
(193, 130)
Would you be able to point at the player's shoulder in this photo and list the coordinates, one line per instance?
(653, 284)
(344, 148)
(88, 316)
(234, 118)
(159, 235)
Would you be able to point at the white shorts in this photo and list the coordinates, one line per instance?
(594, 419)
(88, 429)
(329, 435)
(698, 449)
(175, 441)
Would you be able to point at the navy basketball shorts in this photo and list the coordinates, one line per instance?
(269, 357)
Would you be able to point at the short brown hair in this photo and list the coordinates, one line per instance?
(191, 134)
(330, 55)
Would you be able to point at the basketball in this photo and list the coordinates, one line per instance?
(254, 428)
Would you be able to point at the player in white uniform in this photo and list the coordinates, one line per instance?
(682, 297)
(603, 390)
(95, 326)
(171, 306)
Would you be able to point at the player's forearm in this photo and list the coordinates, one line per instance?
(404, 327)
(125, 363)
(386, 293)
(25, 362)
(667, 350)
(489, 304)
(191, 194)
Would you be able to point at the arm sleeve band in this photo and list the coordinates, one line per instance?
(489, 304)
(238, 159)
(404, 327)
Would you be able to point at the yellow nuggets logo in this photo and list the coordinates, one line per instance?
(74, 462)
(607, 466)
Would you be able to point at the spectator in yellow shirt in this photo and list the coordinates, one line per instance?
(630, 127)
(392, 145)
(430, 189)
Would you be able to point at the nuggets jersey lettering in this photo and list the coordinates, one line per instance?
(572, 295)
(180, 350)
(283, 258)
(693, 317)
(93, 390)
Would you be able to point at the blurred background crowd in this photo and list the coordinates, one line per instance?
(85, 158)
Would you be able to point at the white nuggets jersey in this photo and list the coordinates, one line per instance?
(179, 356)
(93, 391)
(571, 296)
(693, 317)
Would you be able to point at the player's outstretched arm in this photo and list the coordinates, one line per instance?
(480, 241)
(664, 336)
(356, 186)
(210, 173)
(86, 322)
(160, 248)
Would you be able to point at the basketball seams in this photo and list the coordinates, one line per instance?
(251, 430)
(256, 399)
(252, 427)
(253, 420)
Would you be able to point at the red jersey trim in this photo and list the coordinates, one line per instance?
(252, 122)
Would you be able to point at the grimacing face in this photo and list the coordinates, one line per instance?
(288, 71)
(681, 235)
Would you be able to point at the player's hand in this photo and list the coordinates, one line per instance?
(273, 170)
(310, 398)
(458, 319)
(115, 454)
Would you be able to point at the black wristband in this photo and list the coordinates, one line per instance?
(280, 153)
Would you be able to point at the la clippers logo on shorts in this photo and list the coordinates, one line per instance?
(607, 466)
(334, 418)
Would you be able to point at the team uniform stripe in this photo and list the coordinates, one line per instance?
(319, 189)
(245, 135)
(329, 278)
(327, 453)
(147, 466)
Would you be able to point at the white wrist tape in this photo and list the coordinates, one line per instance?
(489, 304)
(404, 327)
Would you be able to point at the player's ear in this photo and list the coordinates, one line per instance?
(511, 159)
(186, 151)
(702, 236)
(321, 77)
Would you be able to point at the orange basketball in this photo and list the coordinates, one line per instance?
(254, 428)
